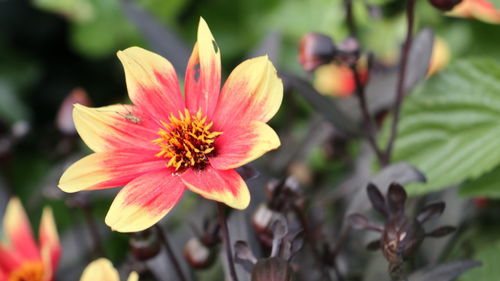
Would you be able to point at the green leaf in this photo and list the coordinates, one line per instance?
(449, 128)
(490, 270)
(74, 10)
(487, 185)
(105, 33)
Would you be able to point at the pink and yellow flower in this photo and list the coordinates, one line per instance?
(21, 259)
(337, 80)
(482, 10)
(167, 142)
(102, 270)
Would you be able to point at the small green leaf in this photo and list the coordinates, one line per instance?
(490, 270)
(449, 128)
(487, 185)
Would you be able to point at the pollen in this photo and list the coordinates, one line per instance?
(28, 271)
(187, 141)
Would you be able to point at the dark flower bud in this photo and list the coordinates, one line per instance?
(272, 269)
(144, 245)
(198, 255)
(64, 121)
(348, 51)
(401, 238)
(444, 5)
(315, 49)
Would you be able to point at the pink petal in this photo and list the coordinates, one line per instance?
(144, 201)
(109, 169)
(240, 145)
(151, 82)
(225, 186)
(49, 241)
(203, 73)
(253, 91)
(107, 128)
(18, 231)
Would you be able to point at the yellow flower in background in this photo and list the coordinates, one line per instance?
(102, 270)
(21, 258)
(167, 142)
(440, 56)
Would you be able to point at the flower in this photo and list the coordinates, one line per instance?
(482, 10)
(21, 258)
(315, 49)
(337, 80)
(402, 235)
(440, 56)
(167, 142)
(102, 270)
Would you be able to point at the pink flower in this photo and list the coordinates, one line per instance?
(167, 142)
(21, 258)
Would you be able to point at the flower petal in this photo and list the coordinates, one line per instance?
(18, 230)
(100, 270)
(133, 276)
(253, 91)
(108, 169)
(107, 128)
(242, 144)
(225, 186)
(9, 260)
(203, 73)
(144, 201)
(151, 82)
(477, 9)
(49, 240)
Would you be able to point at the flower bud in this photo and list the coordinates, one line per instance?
(198, 255)
(315, 49)
(144, 245)
(444, 5)
(262, 219)
(401, 238)
(64, 121)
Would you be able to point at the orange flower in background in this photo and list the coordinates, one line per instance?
(482, 10)
(102, 270)
(337, 80)
(21, 259)
(167, 142)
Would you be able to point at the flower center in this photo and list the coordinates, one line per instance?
(29, 271)
(186, 141)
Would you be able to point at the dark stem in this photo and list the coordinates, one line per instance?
(299, 212)
(227, 241)
(368, 121)
(410, 12)
(164, 241)
(351, 23)
(360, 89)
(97, 249)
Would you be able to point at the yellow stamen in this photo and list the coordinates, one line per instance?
(186, 140)
(28, 271)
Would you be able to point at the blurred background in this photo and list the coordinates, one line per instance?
(54, 53)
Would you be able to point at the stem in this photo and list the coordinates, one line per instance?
(351, 23)
(368, 121)
(410, 12)
(299, 212)
(360, 89)
(164, 241)
(226, 239)
(94, 233)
